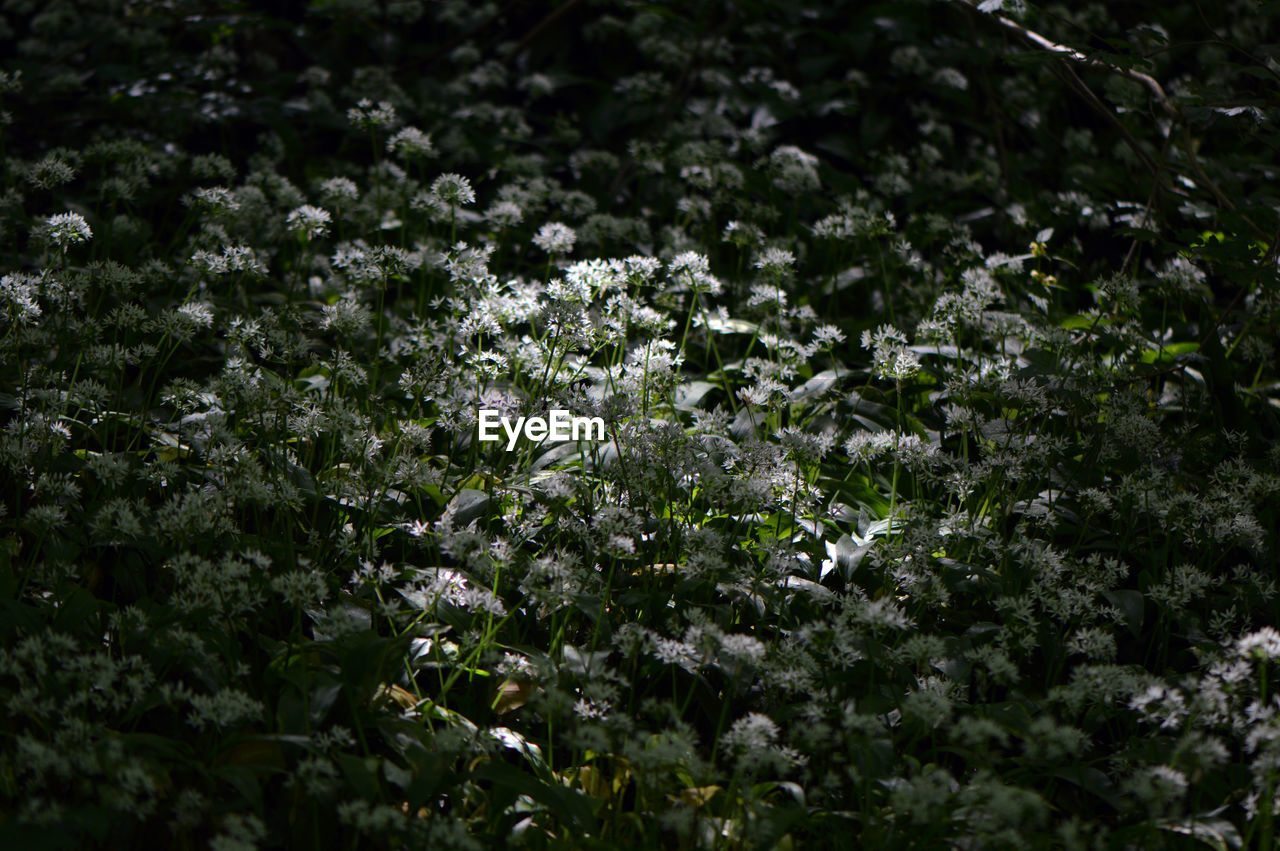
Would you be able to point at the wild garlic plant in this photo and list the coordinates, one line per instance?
(937, 499)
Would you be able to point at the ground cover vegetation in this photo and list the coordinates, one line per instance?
(936, 347)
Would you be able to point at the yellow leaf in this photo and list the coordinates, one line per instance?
(398, 695)
(512, 694)
(696, 797)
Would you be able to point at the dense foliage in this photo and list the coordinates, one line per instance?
(936, 346)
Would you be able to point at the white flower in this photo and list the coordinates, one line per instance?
(68, 229)
(225, 708)
(411, 142)
(768, 295)
(339, 189)
(639, 270)
(882, 336)
(538, 85)
(19, 291)
(582, 281)
(776, 260)
(742, 648)
(589, 709)
(217, 198)
(690, 263)
(694, 269)
(1264, 644)
(234, 258)
(795, 170)
(891, 358)
(504, 214)
(1159, 704)
(453, 189)
(300, 587)
(198, 312)
(555, 238)
(826, 336)
(365, 114)
(867, 446)
(312, 221)
(741, 234)
(671, 651)
(754, 731)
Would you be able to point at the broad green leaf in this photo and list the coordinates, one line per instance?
(570, 806)
(1217, 833)
(1131, 606)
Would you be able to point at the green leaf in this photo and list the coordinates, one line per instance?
(244, 780)
(1091, 780)
(361, 774)
(78, 614)
(468, 505)
(845, 554)
(773, 822)
(731, 326)
(1131, 606)
(1170, 352)
(569, 806)
(16, 837)
(1212, 831)
(313, 379)
(689, 394)
(1081, 322)
(816, 386)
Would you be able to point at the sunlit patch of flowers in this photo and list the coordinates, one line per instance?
(920, 519)
(67, 229)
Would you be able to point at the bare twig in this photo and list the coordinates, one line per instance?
(1070, 54)
(1073, 79)
(1157, 91)
(553, 16)
(1151, 201)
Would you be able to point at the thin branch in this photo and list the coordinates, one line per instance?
(1147, 81)
(553, 16)
(996, 123)
(1219, 42)
(1157, 91)
(1096, 102)
(1213, 188)
(1151, 201)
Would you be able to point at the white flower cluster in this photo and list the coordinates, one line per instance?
(891, 359)
(67, 229)
(365, 114)
(555, 238)
(411, 143)
(450, 586)
(18, 294)
(310, 221)
(233, 258)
